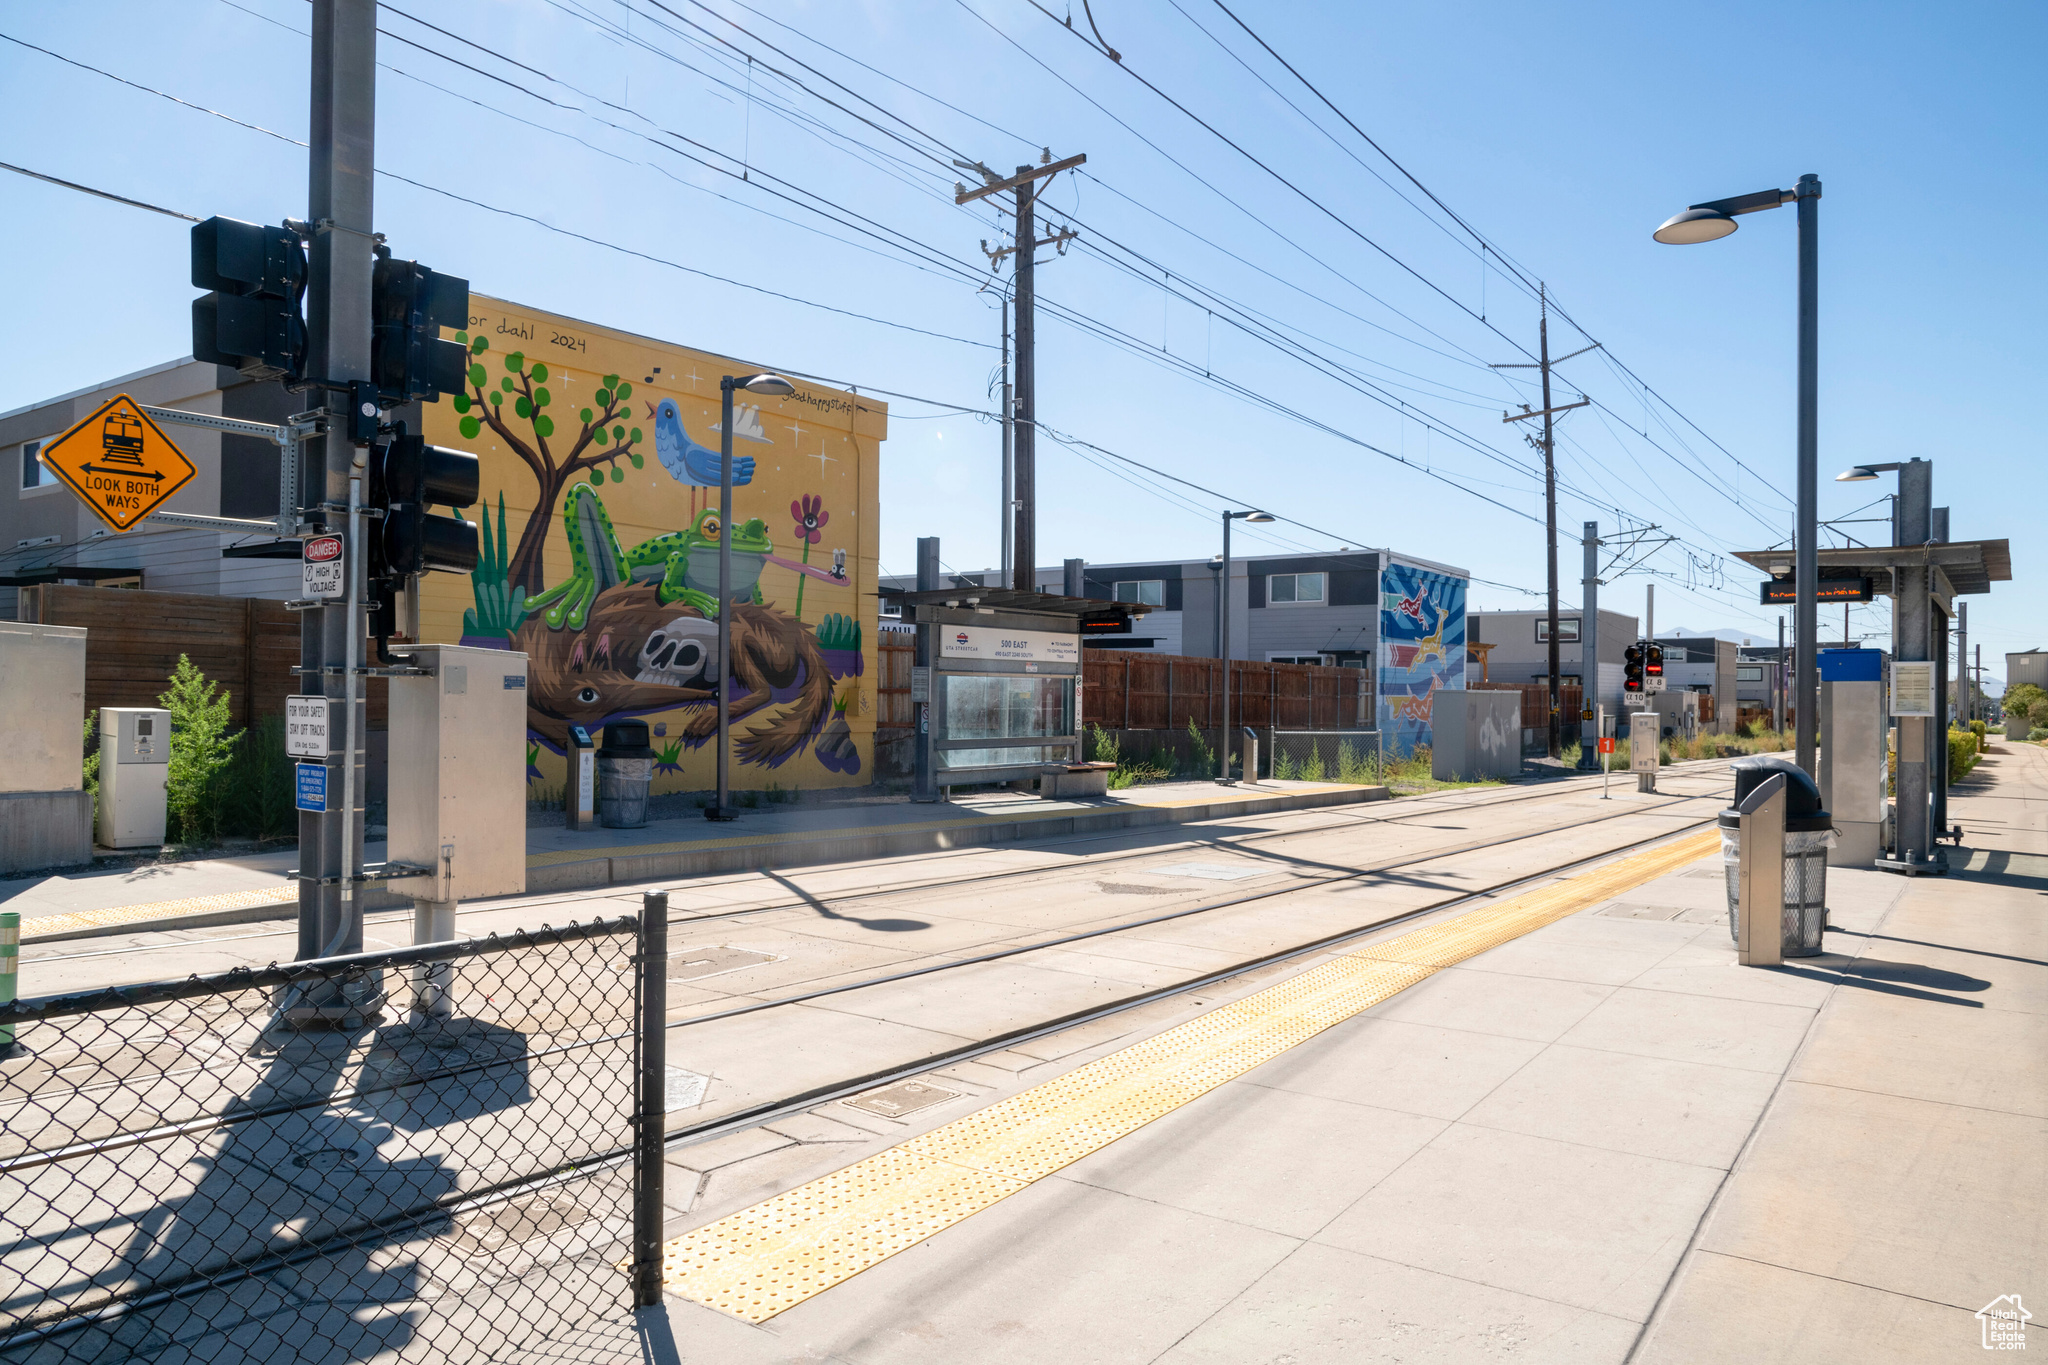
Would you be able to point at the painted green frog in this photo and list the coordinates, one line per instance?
(684, 564)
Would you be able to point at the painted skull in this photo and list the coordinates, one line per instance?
(680, 653)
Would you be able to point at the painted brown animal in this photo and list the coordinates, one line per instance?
(637, 654)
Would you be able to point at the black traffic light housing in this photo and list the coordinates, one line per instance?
(254, 317)
(409, 305)
(1653, 661)
(1632, 668)
(408, 477)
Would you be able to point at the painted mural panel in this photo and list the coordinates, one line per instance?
(601, 534)
(1422, 650)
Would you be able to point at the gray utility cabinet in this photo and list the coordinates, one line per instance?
(458, 774)
(45, 811)
(1005, 692)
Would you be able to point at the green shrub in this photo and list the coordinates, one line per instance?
(2038, 733)
(1201, 755)
(92, 764)
(201, 749)
(1355, 768)
(1962, 754)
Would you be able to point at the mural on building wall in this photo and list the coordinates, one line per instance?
(601, 536)
(1422, 650)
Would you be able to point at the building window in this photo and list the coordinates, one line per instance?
(1148, 592)
(892, 610)
(1749, 673)
(1298, 658)
(33, 474)
(1295, 587)
(1567, 630)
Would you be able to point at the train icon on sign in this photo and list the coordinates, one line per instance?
(121, 439)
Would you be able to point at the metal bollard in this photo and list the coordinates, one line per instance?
(1760, 908)
(652, 1120)
(10, 966)
(1251, 754)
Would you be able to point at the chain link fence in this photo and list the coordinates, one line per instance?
(425, 1154)
(1323, 755)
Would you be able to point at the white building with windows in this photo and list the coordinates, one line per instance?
(1313, 609)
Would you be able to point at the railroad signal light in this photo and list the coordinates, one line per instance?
(409, 305)
(1632, 668)
(410, 476)
(1653, 661)
(253, 318)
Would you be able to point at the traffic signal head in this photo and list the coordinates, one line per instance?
(253, 318)
(1632, 668)
(1653, 662)
(411, 476)
(409, 305)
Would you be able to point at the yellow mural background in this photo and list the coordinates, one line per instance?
(820, 443)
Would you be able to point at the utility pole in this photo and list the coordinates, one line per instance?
(1589, 646)
(1778, 681)
(1963, 663)
(1024, 408)
(1547, 444)
(341, 160)
(1009, 503)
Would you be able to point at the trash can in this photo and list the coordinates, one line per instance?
(625, 771)
(1809, 833)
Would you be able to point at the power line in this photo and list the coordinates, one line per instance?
(103, 194)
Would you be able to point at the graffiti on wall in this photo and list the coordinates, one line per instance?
(601, 534)
(1422, 650)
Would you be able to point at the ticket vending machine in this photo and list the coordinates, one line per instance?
(1854, 749)
(135, 761)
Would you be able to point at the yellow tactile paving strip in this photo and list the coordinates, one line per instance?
(580, 855)
(771, 1257)
(66, 922)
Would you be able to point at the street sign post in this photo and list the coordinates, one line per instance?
(322, 571)
(307, 723)
(119, 462)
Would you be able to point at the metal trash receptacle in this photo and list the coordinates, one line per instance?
(625, 773)
(1809, 833)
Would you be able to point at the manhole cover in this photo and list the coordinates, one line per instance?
(694, 964)
(492, 1230)
(1215, 872)
(898, 1100)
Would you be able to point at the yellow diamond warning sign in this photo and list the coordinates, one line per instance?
(120, 462)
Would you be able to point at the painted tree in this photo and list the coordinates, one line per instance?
(515, 405)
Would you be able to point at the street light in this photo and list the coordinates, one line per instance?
(1709, 222)
(768, 386)
(1223, 642)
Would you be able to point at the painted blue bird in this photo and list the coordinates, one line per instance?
(685, 460)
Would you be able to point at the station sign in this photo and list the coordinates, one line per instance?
(1007, 646)
(323, 572)
(1912, 688)
(119, 462)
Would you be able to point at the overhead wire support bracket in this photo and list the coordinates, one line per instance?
(962, 195)
(1527, 413)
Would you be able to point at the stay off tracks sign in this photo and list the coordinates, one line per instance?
(119, 462)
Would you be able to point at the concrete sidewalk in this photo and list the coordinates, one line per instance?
(1602, 1141)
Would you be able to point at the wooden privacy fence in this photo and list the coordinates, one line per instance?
(1536, 702)
(1132, 690)
(133, 639)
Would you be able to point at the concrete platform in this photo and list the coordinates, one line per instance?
(1602, 1141)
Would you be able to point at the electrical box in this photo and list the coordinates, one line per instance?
(42, 695)
(457, 797)
(135, 760)
(1644, 732)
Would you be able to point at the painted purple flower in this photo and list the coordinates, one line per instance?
(810, 516)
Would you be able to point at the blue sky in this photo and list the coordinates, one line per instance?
(1561, 136)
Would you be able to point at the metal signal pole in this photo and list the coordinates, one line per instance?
(340, 162)
(1023, 425)
(1547, 444)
